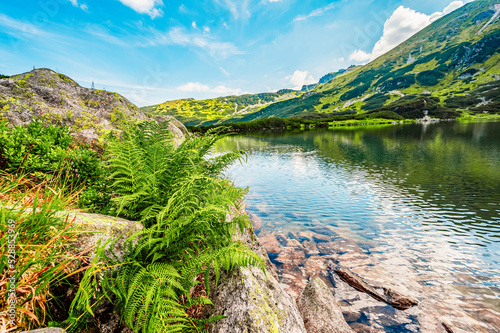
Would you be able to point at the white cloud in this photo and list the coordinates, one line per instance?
(81, 5)
(194, 87)
(402, 24)
(194, 25)
(179, 37)
(199, 87)
(341, 59)
(300, 78)
(28, 29)
(226, 73)
(206, 29)
(222, 90)
(175, 36)
(144, 6)
(316, 12)
(274, 0)
(359, 56)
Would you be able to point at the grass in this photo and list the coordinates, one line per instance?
(36, 249)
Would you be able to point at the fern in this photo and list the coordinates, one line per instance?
(181, 200)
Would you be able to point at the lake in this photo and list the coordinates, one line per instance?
(414, 207)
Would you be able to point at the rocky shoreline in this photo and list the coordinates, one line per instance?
(303, 256)
(299, 293)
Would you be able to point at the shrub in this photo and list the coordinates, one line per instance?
(42, 152)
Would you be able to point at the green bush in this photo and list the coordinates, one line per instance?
(45, 151)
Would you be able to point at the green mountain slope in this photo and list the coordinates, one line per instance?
(447, 68)
(194, 112)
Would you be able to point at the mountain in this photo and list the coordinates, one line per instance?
(449, 67)
(194, 112)
(57, 99)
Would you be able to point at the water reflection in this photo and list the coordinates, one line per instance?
(421, 201)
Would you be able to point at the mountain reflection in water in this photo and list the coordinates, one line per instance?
(416, 207)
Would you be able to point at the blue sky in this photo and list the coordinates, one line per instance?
(152, 51)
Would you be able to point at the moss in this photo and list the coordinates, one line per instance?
(22, 83)
(265, 311)
(64, 78)
(48, 82)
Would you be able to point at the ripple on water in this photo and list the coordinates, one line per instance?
(425, 221)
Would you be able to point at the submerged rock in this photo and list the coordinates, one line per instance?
(270, 243)
(320, 310)
(310, 248)
(256, 223)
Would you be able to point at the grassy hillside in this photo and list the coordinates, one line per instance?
(452, 65)
(193, 112)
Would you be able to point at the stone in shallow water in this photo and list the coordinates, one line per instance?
(281, 239)
(291, 256)
(293, 243)
(343, 245)
(362, 328)
(327, 248)
(320, 310)
(315, 266)
(325, 230)
(256, 223)
(351, 316)
(270, 243)
(309, 235)
(310, 248)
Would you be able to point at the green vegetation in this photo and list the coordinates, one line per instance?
(193, 112)
(43, 152)
(35, 243)
(176, 193)
(308, 121)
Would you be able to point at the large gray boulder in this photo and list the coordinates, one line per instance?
(252, 301)
(102, 228)
(91, 114)
(320, 310)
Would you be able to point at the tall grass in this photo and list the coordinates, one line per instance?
(30, 223)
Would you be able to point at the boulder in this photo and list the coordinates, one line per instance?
(179, 131)
(102, 228)
(320, 310)
(256, 223)
(251, 300)
(91, 114)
